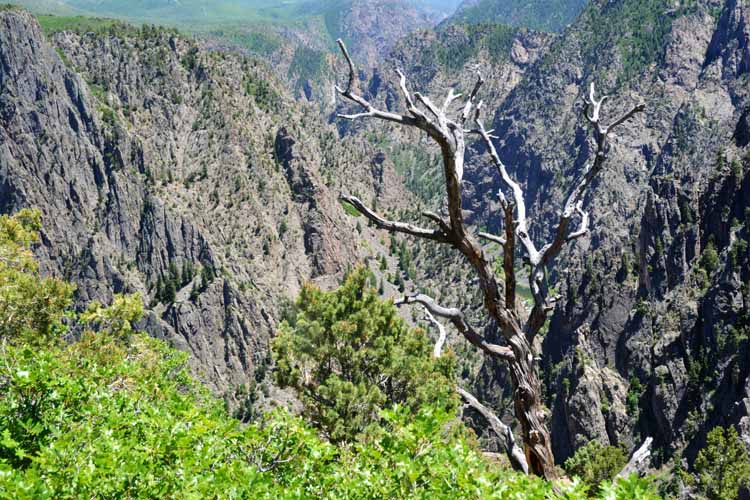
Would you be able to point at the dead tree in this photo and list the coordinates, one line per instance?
(449, 130)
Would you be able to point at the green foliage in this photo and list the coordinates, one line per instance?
(446, 52)
(307, 64)
(117, 319)
(635, 391)
(116, 415)
(262, 93)
(710, 258)
(259, 42)
(190, 60)
(350, 209)
(174, 280)
(638, 30)
(596, 463)
(723, 466)
(77, 24)
(349, 355)
(31, 307)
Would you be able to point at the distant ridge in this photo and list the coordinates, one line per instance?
(543, 15)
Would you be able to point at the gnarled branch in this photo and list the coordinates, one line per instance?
(370, 110)
(457, 318)
(395, 226)
(505, 433)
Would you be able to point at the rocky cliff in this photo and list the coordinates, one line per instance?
(189, 176)
(649, 336)
(633, 348)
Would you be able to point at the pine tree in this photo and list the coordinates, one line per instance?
(170, 292)
(723, 466)
(349, 355)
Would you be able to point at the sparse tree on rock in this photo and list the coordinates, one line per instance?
(449, 129)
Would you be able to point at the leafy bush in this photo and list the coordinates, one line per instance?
(596, 463)
(349, 355)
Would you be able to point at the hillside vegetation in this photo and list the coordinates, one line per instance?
(91, 408)
(544, 15)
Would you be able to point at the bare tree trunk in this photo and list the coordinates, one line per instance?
(531, 412)
(518, 335)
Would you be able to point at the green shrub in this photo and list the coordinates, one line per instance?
(31, 307)
(349, 355)
(116, 414)
(723, 466)
(596, 463)
(710, 258)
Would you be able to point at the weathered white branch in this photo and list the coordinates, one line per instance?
(521, 225)
(370, 110)
(427, 103)
(410, 106)
(442, 334)
(493, 238)
(583, 229)
(639, 461)
(505, 433)
(574, 202)
(472, 99)
(457, 318)
(449, 100)
(441, 222)
(395, 226)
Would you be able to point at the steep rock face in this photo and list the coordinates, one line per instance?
(155, 168)
(638, 342)
(631, 285)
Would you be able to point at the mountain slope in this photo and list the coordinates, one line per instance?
(181, 174)
(544, 15)
(618, 355)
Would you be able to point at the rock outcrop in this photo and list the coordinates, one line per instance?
(191, 177)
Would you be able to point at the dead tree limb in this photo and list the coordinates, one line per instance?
(457, 318)
(504, 432)
(639, 461)
(518, 334)
(442, 334)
